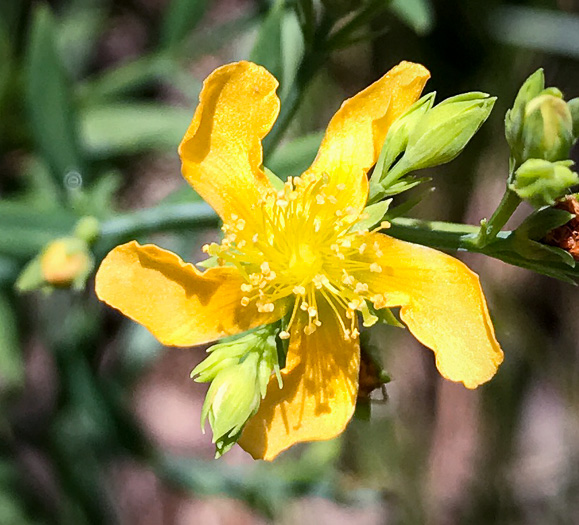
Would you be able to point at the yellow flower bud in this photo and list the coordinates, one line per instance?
(64, 261)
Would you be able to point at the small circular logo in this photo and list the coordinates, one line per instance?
(73, 180)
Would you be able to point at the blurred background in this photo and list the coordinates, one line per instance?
(99, 424)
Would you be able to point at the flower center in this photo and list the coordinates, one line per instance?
(299, 244)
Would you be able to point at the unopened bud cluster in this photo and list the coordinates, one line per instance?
(541, 128)
(427, 136)
(239, 371)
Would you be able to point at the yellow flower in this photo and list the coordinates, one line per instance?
(296, 251)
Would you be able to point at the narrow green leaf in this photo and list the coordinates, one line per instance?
(11, 362)
(406, 206)
(292, 47)
(8, 270)
(541, 222)
(306, 15)
(417, 14)
(48, 99)
(79, 30)
(125, 79)
(123, 129)
(10, 13)
(181, 18)
(5, 60)
(267, 50)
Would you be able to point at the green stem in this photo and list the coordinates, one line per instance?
(436, 234)
(509, 203)
(160, 218)
(461, 237)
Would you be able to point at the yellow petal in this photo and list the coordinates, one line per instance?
(180, 305)
(443, 305)
(221, 151)
(320, 385)
(357, 131)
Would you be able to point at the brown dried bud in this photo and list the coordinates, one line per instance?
(566, 237)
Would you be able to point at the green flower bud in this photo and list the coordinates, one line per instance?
(548, 130)
(239, 371)
(397, 137)
(442, 133)
(514, 119)
(233, 398)
(540, 124)
(574, 109)
(221, 356)
(541, 182)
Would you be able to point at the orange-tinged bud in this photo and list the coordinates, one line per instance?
(63, 262)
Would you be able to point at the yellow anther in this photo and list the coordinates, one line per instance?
(355, 304)
(319, 280)
(205, 248)
(255, 237)
(362, 248)
(361, 288)
(282, 203)
(240, 224)
(333, 199)
(284, 335)
(265, 269)
(341, 186)
(246, 287)
(375, 267)
(299, 290)
(312, 312)
(348, 279)
(245, 301)
(377, 249)
(265, 307)
(379, 301)
(304, 306)
(310, 329)
(241, 244)
(320, 199)
(346, 243)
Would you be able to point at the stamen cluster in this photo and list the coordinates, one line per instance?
(300, 245)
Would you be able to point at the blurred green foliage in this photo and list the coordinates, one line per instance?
(94, 99)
